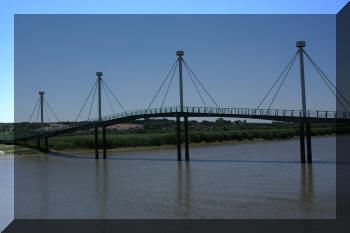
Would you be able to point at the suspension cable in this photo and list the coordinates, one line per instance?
(161, 86)
(104, 83)
(48, 105)
(109, 101)
(47, 116)
(327, 83)
(195, 86)
(325, 78)
(37, 103)
(336, 97)
(332, 91)
(86, 100)
(92, 102)
(284, 78)
(200, 83)
(276, 81)
(37, 116)
(167, 90)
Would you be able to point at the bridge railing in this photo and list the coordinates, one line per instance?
(230, 111)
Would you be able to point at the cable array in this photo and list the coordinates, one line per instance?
(37, 109)
(191, 74)
(342, 100)
(115, 98)
(36, 105)
(287, 68)
(279, 88)
(93, 87)
(49, 107)
(329, 84)
(200, 83)
(107, 92)
(167, 90)
(161, 86)
(92, 102)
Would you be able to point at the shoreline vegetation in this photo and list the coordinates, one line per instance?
(82, 151)
(160, 139)
(161, 133)
(9, 149)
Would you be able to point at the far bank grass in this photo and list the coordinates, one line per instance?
(139, 140)
(88, 151)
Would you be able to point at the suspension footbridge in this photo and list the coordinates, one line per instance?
(303, 116)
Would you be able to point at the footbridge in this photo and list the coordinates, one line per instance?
(303, 117)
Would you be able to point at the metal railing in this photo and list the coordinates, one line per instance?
(239, 112)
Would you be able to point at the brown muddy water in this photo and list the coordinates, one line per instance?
(252, 180)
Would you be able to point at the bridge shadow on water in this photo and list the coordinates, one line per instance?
(62, 155)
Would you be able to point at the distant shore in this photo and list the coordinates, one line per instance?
(195, 144)
(8, 149)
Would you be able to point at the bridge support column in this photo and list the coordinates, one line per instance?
(46, 150)
(38, 144)
(302, 143)
(178, 138)
(104, 142)
(96, 142)
(187, 153)
(308, 143)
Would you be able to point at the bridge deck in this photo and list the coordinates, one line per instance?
(263, 114)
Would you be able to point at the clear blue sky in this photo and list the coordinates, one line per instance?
(230, 63)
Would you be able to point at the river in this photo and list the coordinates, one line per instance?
(7, 188)
(258, 180)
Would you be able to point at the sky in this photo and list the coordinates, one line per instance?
(236, 64)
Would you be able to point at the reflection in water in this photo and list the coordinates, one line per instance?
(44, 200)
(101, 186)
(105, 187)
(307, 188)
(179, 184)
(184, 190)
(99, 200)
(188, 189)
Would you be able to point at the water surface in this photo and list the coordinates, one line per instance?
(6, 190)
(253, 180)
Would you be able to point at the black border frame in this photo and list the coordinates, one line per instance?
(340, 224)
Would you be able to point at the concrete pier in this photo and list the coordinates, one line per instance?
(178, 137)
(96, 142)
(187, 153)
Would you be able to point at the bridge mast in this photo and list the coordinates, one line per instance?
(99, 79)
(178, 128)
(301, 45)
(180, 54)
(41, 93)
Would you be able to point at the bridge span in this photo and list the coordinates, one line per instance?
(312, 116)
(302, 117)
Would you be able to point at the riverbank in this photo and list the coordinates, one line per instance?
(81, 151)
(6, 150)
